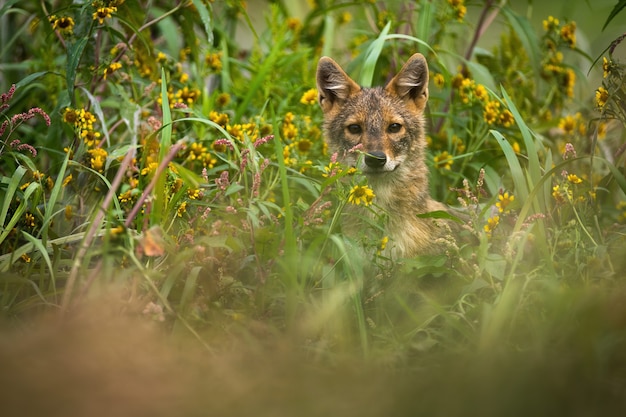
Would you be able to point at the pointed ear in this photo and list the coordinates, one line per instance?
(333, 84)
(411, 83)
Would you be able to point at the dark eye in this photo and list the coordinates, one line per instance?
(354, 129)
(394, 128)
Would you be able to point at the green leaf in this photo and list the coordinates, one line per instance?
(14, 182)
(205, 16)
(371, 57)
(39, 245)
(74, 54)
(616, 10)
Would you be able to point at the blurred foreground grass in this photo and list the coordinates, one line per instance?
(143, 149)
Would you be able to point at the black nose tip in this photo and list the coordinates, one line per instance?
(375, 159)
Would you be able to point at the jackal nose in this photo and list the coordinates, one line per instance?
(375, 159)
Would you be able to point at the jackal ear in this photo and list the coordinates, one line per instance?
(411, 82)
(333, 84)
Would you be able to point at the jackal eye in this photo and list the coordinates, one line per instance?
(394, 128)
(354, 129)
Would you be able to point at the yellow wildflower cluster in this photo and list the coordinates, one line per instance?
(221, 119)
(197, 152)
(443, 160)
(103, 13)
(492, 223)
(300, 136)
(602, 97)
(459, 9)
(83, 121)
(553, 68)
(63, 24)
(561, 194)
(361, 194)
(471, 92)
(185, 96)
(572, 124)
(504, 201)
(98, 159)
(566, 33)
(309, 97)
(566, 77)
(214, 61)
(114, 66)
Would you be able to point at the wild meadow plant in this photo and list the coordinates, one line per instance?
(149, 149)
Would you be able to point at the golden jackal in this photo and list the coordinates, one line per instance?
(388, 126)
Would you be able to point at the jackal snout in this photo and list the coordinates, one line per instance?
(375, 159)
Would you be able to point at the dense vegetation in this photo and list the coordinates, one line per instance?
(174, 149)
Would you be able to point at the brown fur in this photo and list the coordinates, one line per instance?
(388, 123)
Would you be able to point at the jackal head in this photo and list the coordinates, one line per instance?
(387, 123)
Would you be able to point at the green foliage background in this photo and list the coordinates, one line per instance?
(147, 146)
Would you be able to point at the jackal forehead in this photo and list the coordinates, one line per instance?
(374, 105)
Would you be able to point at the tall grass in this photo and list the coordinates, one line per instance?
(202, 186)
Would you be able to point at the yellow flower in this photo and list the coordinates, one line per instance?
(504, 200)
(606, 67)
(568, 34)
(443, 160)
(506, 118)
(222, 99)
(574, 179)
(304, 145)
(294, 24)
(187, 96)
(439, 80)
(602, 96)
(481, 92)
(182, 208)
(550, 24)
(383, 244)
(361, 194)
(90, 137)
(161, 57)
(111, 69)
(126, 196)
(344, 17)
(69, 213)
(63, 24)
(492, 222)
(568, 124)
(309, 97)
(214, 61)
(25, 258)
(491, 114)
(67, 180)
(290, 131)
(561, 195)
(221, 119)
(29, 219)
(151, 168)
(103, 13)
(193, 193)
(98, 158)
(459, 8)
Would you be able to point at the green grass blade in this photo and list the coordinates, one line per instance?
(54, 196)
(41, 247)
(13, 184)
(519, 179)
(371, 57)
(21, 209)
